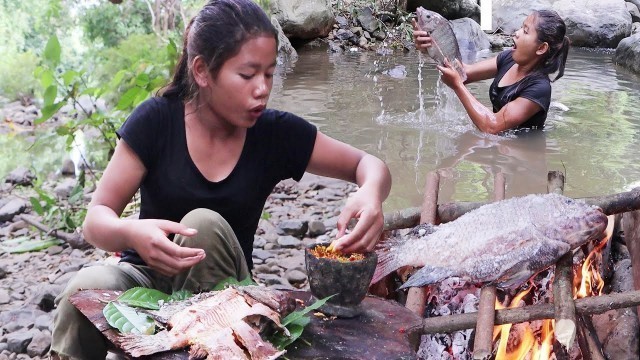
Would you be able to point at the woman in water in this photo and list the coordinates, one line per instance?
(521, 89)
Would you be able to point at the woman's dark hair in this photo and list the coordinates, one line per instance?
(552, 30)
(216, 34)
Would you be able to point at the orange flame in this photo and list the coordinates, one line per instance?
(588, 279)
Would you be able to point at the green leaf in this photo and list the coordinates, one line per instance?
(50, 95)
(46, 78)
(37, 207)
(69, 76)
(142, 80)
(180, 295)
(296, 329)
(34, 245)
(127, 320)
(300, 313)
(127, 99)
(52, 50)
(233, 281)
(143, 297)
(48, 112)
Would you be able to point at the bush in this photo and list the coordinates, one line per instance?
(16, 75)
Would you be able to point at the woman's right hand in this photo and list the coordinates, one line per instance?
(149, 239)
(421, 39)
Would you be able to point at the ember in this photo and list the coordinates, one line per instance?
(322, 251)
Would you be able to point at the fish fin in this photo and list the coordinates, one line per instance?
(457, 64)
(428, 275)
(138, 345)
(388, 259)
(544, 253)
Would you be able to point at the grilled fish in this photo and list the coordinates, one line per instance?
(503, 243)
(219, 325)
(444, 41)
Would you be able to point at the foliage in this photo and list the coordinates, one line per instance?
(111, 23)
(66, 217)
(16, 75)
(130, 85)
(127, 319)
(25, 244)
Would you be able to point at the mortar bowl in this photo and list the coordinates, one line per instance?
(349, 280)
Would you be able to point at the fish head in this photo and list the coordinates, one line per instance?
(429, 20)
(574, 221)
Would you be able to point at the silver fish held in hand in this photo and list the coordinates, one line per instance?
(503, 243)
(444, 42)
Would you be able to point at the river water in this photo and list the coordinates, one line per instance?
(395, 107)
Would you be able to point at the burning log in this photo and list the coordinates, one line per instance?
(565, 325)
(589, 305)
(589, 344)
(416, 297)
(410, 217)
(631, 228)
(483, 341)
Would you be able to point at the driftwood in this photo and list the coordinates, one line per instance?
(589, 305)
(410, 217)
(631, 228)
(483, 341)
(565, 310)
(74, 240)
(416, 296)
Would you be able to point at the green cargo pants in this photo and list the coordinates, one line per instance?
(75, 337)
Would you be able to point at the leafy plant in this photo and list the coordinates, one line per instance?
(127, 320)
(62, 216)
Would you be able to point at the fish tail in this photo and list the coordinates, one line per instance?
(388, 258)
(138, 345)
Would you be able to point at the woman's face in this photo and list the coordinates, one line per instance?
(239, 93)
(526, 43)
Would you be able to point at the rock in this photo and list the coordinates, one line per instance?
(19, 319)
(367, 20)
(595, 24)
(40, 344)
(18, 341)
(262, 254)
(628, 53)
(12, 208)
(64, 188)
(295, 277)
(289, 241)
(21, 176)
(316, 228)
(302, 19)
(633, 11)
(293, 227)
(44, 296)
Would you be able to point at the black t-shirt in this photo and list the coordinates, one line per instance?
(277, 147)
(535, 87)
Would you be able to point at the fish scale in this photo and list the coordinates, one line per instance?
(505, 242)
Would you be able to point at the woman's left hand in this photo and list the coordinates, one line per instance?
(367, 231)
(449, 75)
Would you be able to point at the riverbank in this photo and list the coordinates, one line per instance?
(299, 214)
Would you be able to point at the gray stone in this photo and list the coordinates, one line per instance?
(18, 341)
(293, 227)
(44, 296)
(367, 20)
(259, 242)
(296, 277)
(12, 208)
(40, 344)
(64, 188)
(270, 279)
(54, 250)
(302, 19)
(289, 241)
(13, 320)
(262, 254)
(20, 176)
(4, 297)
(628, 53)
(316, 228)
(44, 322)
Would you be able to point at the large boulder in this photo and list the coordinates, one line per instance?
(628, 53)
(450, 9)
(304, 20)
(508, 15)
(471, 39)
(286, 52)
(595, 24)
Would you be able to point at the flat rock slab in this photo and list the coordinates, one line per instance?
(385, 330)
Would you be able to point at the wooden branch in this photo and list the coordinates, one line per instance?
(74, 240)
(416, 296)
(565, 310)
(589, 305)
(589, 344)
(631, 230)
(410, 217)
(483, 341)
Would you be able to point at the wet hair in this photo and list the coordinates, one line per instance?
(216, 34)
(552, 30)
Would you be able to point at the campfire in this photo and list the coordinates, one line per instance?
(568, 311)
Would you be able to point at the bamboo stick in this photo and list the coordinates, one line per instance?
(589, 305)
(483, 341)
(416, 296)
(75, 240)
(565, 311)
(410, 217)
